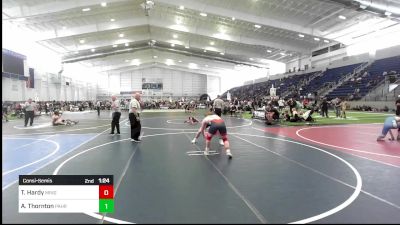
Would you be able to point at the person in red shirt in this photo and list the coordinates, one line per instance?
(215, 125)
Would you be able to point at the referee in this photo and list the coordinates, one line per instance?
(29, 111)
(218, 105)
(134, 117)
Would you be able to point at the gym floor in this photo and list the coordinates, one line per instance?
(324, 174)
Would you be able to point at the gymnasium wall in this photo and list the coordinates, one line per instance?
(174, 83)
(48, 87)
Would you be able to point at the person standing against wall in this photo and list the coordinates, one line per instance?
(134, 117)
(29, 111)
(98, 104)
(116, 115)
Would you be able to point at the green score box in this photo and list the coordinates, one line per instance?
(106, 206)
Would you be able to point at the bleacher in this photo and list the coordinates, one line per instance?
(329, 76)
(373, 77)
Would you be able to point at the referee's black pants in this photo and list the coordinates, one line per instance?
(218, 111)
(29, 115)
(115, 121)
(135, 126)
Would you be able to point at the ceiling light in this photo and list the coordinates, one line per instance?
(77, 52)
(269, 51)
(342, 17)
(187, 47)
(155, 57)
(203, 14)
(172, 45)
(114, 46)
(192, 66)
(104, 4)
(388, 13)
(251, 59)
(86, 9)
(181, 7)
(301, 35)
(180, 61)
(93, 50)
(233, 18)
(112, 20)
(20, 19)
(175, 36)
(126, 44)
(326, 41)
(363, 6)
(221, 53)
(126, 60)
(282, 53)
(82, 41)
(121, 35)
(206, 65)
(257, 26)
(136, 62)
(64, 27)
(205, 50)
(212, 43)
(317, 39)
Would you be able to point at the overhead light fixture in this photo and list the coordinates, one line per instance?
(342, 17)
(212, 43)
(301, 35)
(363, 6)
(126, 60)
(112, 20)
(388, 13)
(192, 66)
(104, 4)
(269, 51)
(181, 7)
(317, 39)
(221, 53)
(155, 57)
(154, 41)
(206, 65)
(251, 59)
(82, 41)
(76, 52)
(326, 41)
(187, 47)
(257, 26)
(233, 18)
(114, 46)
(205, 50)
(64, 27)
(20, 19)
(203, 14)
(282, 53)
(180, 61)
(86, 9)
(93, 50)
(126, 44)
(135, 62)
(121, 35)
(172, 45)
(175, 36)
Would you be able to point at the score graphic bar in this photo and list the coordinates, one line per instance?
(66, 193)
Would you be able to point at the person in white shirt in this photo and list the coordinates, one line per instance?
(29, 111)
(116, 115)
(216, 125)
(134, 117)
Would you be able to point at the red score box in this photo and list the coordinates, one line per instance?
(106, 192)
